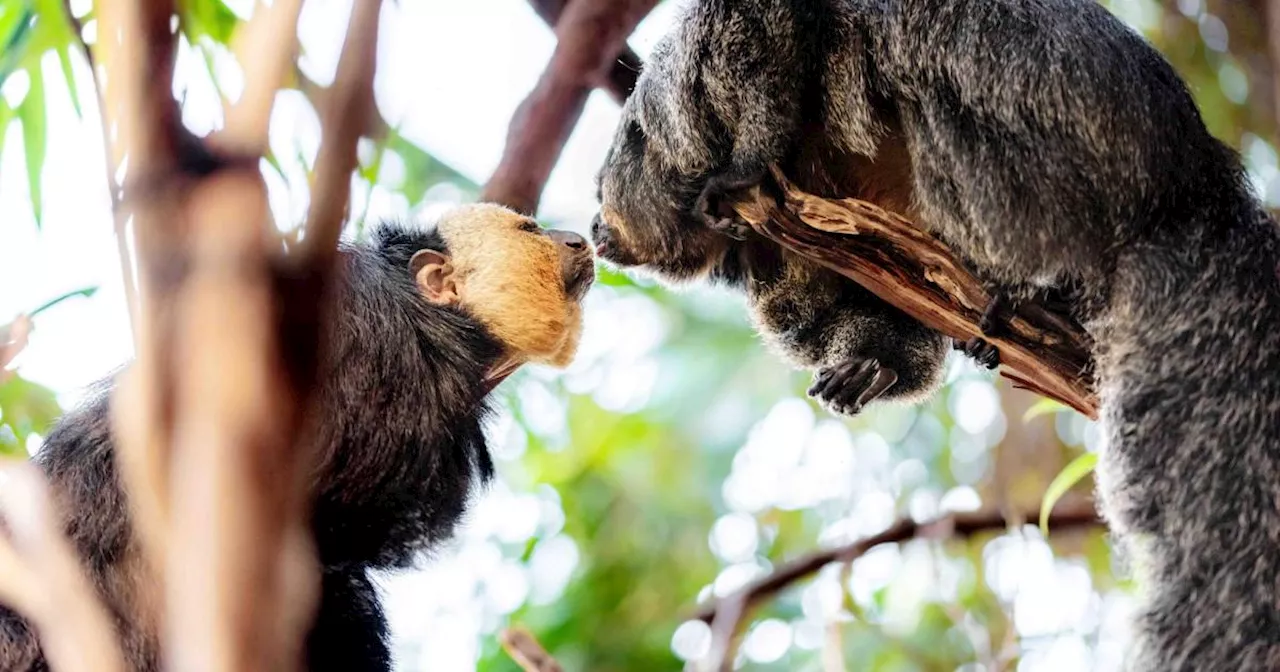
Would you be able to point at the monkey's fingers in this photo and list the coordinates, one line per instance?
(713, 207)
(995, 314)
(847, 387)
(980, 351)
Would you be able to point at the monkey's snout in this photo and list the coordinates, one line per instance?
(572, 240)
(600, 235)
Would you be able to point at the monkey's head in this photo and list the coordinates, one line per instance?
(524, 283)
(647, 189)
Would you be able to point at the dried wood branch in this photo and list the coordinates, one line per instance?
(899, 262)
(42, 579)
(523, 648)
(621, 80)
(589, 34)
(726, 615)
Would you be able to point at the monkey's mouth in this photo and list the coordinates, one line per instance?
(607, 245)
(579, 276)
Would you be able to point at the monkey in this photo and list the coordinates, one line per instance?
(426, 321)
(1051, 147)
(655, 215)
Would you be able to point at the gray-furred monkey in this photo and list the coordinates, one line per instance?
(1049, 145)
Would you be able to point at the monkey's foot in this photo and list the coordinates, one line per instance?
(980, 350)
(713, 206)
(849, 386)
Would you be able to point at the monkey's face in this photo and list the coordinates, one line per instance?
(523, 282)
(646, 217)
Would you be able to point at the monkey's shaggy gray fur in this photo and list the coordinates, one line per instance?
(1051, 146)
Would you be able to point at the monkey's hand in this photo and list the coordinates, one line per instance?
(713, 206)
(980, 350)
(849, 386)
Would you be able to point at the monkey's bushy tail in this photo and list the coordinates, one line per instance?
(1191, 475)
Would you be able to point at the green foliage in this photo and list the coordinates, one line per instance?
(1070, 475)
(26, 408)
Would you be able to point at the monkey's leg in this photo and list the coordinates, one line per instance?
(712, 206)
(849, 386)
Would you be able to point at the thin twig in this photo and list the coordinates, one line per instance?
(523, 648)
(348, 109)
(119, 220)
(589, 36)
(42, 579)
(259, 42)
(726, 615)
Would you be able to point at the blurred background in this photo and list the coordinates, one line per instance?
(677, 459)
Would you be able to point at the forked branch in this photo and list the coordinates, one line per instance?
(726, 615)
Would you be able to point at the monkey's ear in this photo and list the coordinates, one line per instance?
(435, 277)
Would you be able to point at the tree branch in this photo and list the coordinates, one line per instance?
(42, 578)
(726, 615)
(260, 41)
(523, 648)
(348, 111)
(621, 80)
(589, 35)
(1041, 351)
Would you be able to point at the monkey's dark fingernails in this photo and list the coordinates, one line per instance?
(884, 379)
(852, 385)
(820, 382)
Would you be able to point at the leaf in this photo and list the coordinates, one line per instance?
(64, 57)
(6, 115)
(86, 292)
(27, 408)
(15, 31)
(1043, 407)
(1070, 475)
(34, 139)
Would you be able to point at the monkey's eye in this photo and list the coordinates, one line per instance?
(531, 227)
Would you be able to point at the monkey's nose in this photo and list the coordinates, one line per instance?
(569, 239)
(597, 226)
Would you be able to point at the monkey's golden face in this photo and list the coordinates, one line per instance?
(646, 216)
(523, 282)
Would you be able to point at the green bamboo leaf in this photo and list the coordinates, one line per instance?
(1043, 407)
(86, 292)
(1070, 475)
(6, 115)
(64, 57)
(34, 139)
(27, 408)
(15, 30)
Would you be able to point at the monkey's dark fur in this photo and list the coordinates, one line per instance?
(1051, 146)
(398, 428)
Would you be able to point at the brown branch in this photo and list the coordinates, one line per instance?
(899, 262)
(119, 221)
(209, 414)
(589, 34)
(347, 112)
(260, 42)
(523, 648)
(42, 579)
(621, 80)
(726, 615)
